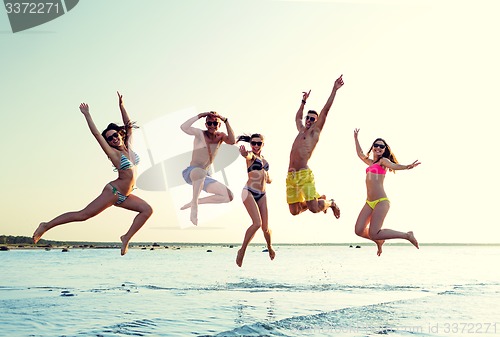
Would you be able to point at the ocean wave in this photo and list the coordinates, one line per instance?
(142, 327)
(472, 289)
(364, 320)
(416, 316)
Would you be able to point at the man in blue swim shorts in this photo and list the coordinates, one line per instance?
(300, 185)
(206, 145)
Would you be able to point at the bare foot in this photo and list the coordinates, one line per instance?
(124, 245)
(37, 235)
(186, 206)
(272, 253)
(379, 246)
(239, 258)
(412, 239)
(194, 216)
(335, 209)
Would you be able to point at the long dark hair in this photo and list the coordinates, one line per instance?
(124, 130)
(247, 138)
(387, 153)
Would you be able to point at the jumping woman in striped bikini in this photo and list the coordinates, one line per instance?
(372, 215)
(115, 141)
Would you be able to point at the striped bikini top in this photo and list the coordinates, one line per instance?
(126, 164)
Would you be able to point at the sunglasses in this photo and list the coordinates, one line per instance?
(212, 123)
(382, 146)
(256, 143)
(312, 119)
(110, 138)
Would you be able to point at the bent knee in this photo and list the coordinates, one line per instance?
(147, 210)
(358, 232)
(257, 224)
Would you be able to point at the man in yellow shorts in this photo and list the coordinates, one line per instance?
(300, 187)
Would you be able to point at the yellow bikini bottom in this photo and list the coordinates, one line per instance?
(374, 203)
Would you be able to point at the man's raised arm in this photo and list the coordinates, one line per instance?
(339, 82)
(230, 137)
(187, 125)
(300, 112)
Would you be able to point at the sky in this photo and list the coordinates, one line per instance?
(423, 75)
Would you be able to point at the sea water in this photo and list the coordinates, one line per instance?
(308, 290)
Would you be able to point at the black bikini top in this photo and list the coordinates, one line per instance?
(257, 166)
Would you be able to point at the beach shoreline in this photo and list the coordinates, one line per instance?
(208, 245)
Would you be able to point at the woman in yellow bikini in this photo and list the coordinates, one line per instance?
(372, 215)
(116, 142)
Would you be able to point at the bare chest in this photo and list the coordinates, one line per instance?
(306, 139)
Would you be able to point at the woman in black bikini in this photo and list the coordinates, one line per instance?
(115, 142)
(254, 193)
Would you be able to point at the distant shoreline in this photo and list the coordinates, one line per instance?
(25, 242)
(179, 245)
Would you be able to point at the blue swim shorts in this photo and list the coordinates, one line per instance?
(208, 179)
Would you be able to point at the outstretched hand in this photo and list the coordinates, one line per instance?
(84, 108)
(412, 165)
(305, 95)
(120, 98)
(339, 82)
(243, 151)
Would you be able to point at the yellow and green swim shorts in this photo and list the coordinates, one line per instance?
(300, 186)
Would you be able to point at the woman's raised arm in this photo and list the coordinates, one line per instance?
(125, 116)
(126, 119)
(84, 108)
(359, 151)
